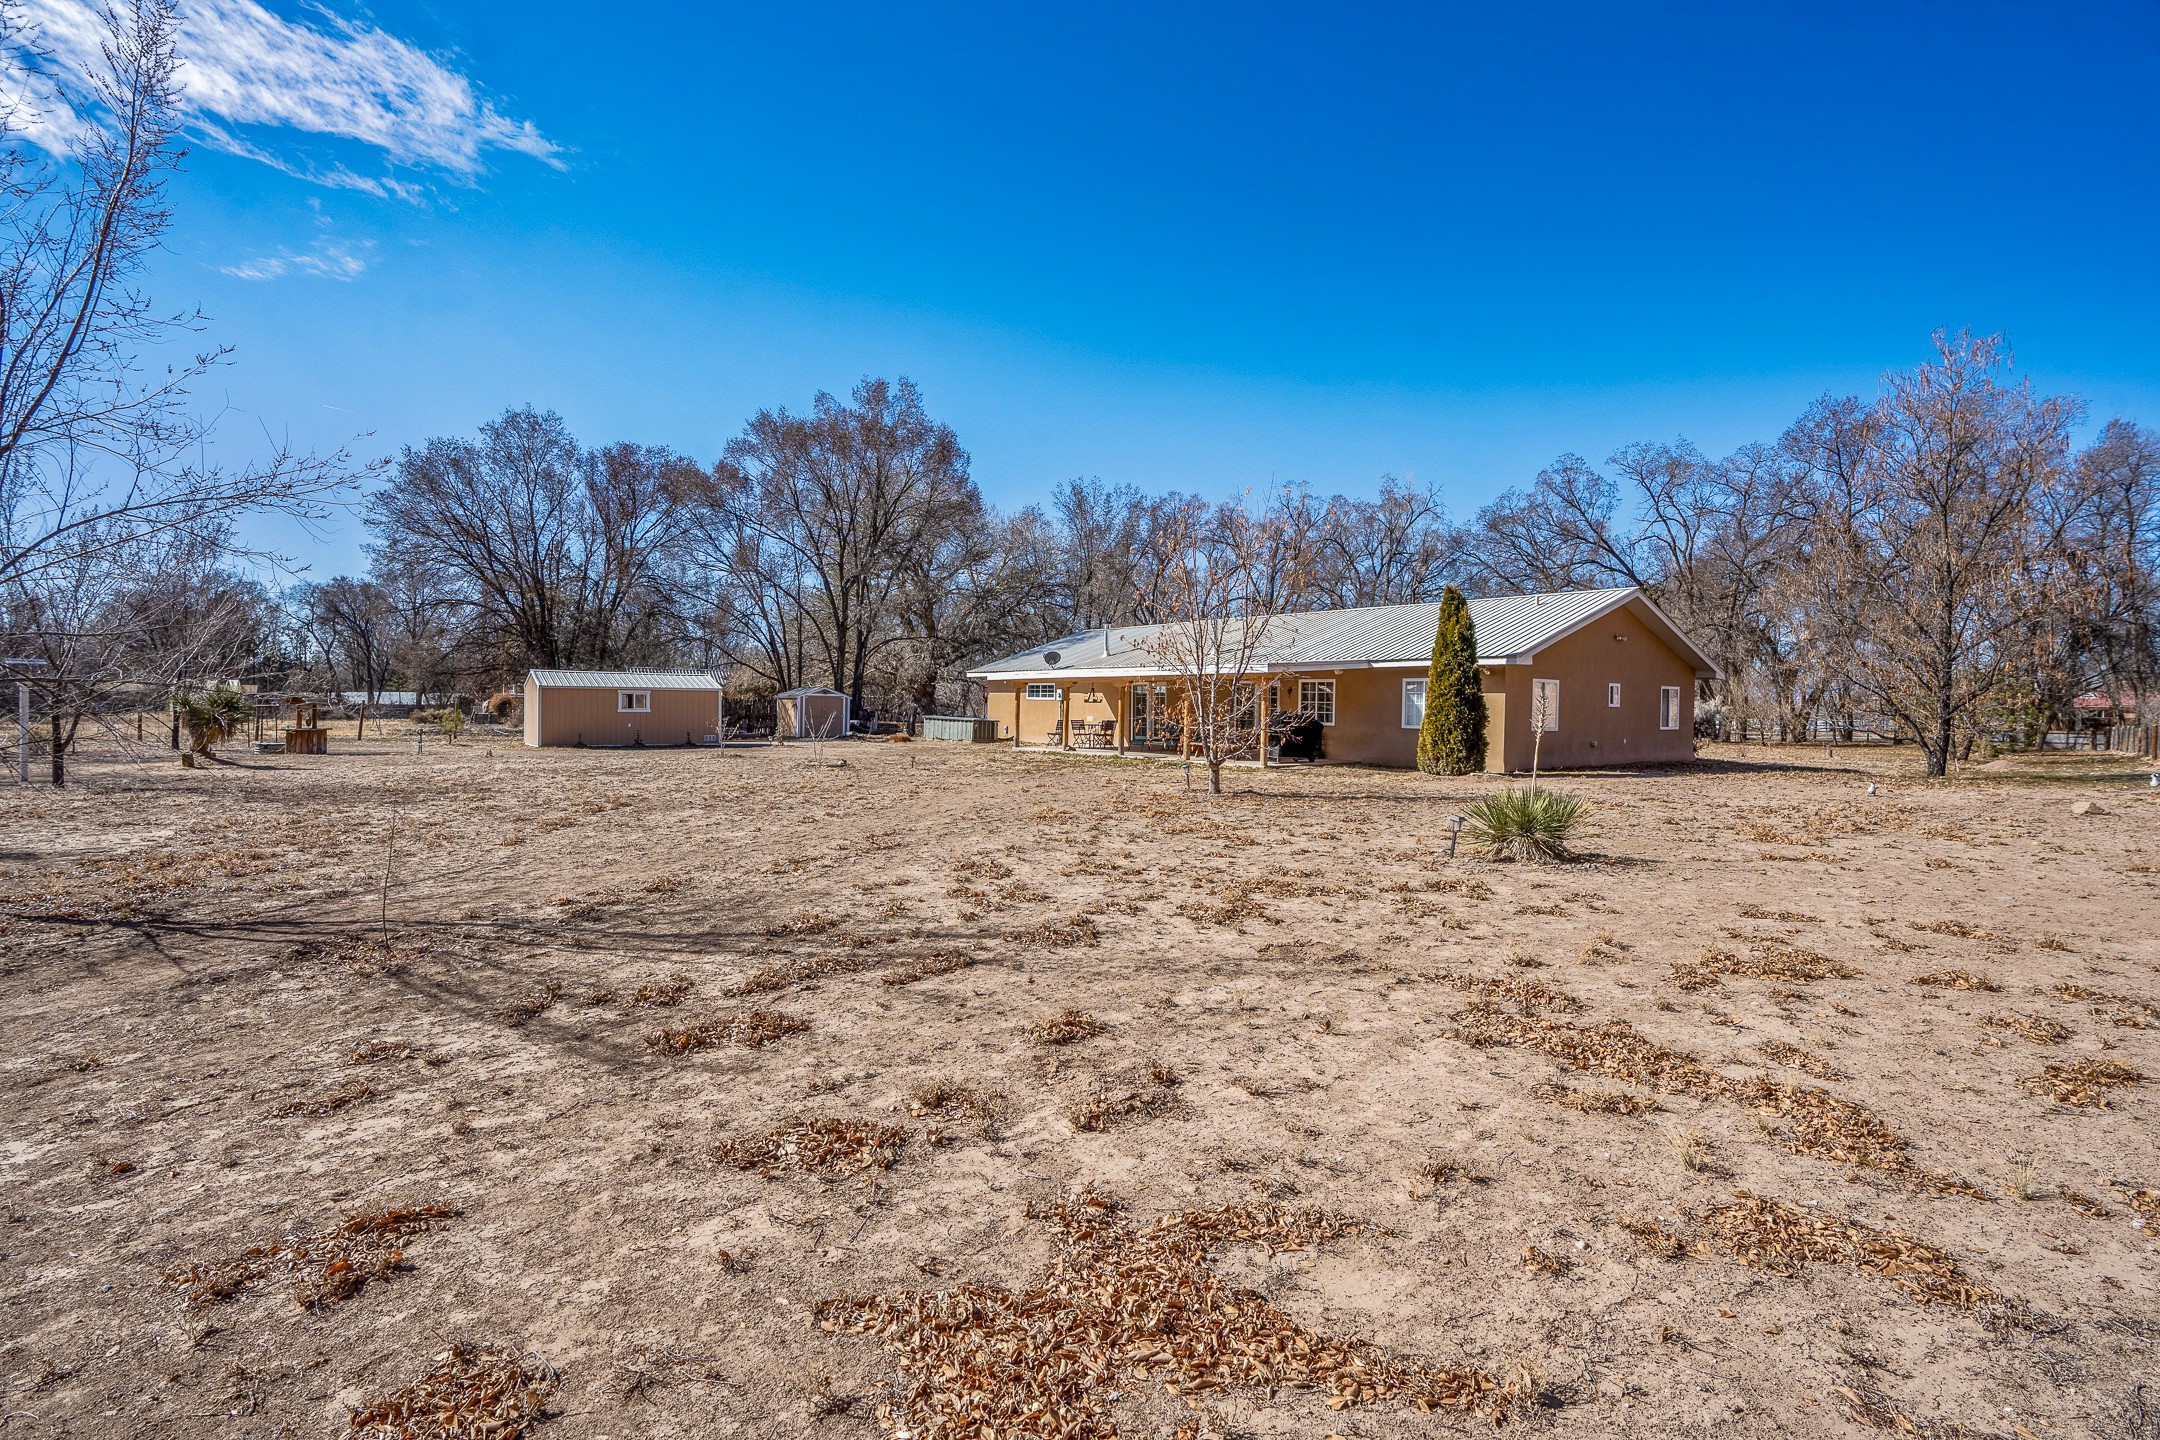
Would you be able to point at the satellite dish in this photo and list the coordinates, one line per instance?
(1051, 657)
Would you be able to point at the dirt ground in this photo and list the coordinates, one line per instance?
(492, 1047)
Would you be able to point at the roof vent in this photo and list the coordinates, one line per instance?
(1051, 657)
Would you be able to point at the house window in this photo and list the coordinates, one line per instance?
(1545, 701)
(1612, 697)
(1317, 698)
(1668, 707)
(633, 700)
(1042, 692)
(1413, 704)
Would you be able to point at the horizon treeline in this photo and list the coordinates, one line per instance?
(1940, 557)
(1941, 554)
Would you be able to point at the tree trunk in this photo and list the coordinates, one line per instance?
(59, 751)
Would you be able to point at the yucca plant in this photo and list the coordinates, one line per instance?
(1519, 824)
(210, 716)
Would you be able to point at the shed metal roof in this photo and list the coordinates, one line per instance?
(625, 679)
(1510, 629)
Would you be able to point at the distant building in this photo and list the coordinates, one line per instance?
(622, 707)
(1617, 677)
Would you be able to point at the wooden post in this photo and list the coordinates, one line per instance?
(1065, 717)
(1117, 717)
(1262, 703)
(1185, 707)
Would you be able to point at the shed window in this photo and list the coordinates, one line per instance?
(1413, 704)
(1668, 707)
(1545, 701)
(1044, 691)
(1612, 696)
(633, 700)
(1317, 698)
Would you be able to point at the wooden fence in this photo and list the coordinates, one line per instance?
(2142, 741)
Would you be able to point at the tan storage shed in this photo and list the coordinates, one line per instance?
(622, 707)
(811, 713)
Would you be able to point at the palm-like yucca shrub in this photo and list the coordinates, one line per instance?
(210, 716)
(1520, 824)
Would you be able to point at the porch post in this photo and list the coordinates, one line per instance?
(1117, 717)
(1263, 722)
(1065, 716)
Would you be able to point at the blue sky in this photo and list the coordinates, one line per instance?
(1211, 249)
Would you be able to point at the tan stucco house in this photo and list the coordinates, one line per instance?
(622, 707)
(1618, 679)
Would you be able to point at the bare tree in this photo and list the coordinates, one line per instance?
(354, 622)
(820, 517)
(1223, 589)
(1396, 549)
(557, 555)
(1925, 566)
(96, 454)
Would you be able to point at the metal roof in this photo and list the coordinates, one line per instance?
(625, 679)
(1510, 629)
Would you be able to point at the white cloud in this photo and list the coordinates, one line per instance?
(328, 259)
(243, 66)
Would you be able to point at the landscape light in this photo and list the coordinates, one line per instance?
(1454, 829)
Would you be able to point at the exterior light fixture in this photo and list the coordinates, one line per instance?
(1454, 831)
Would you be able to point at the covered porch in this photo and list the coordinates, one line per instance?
(1114, 715)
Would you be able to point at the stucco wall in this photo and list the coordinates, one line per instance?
(1591, 732)
(566, 713)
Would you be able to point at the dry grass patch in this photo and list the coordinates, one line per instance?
(663, 994)
(944, 962)
(782, 974)
(1063, 934)
(2084, 1083)
(1802, 1059)
(2144, 1202)
(324, 1267)
(2126, 1011)
(1067, 1027)
(1659, 1241)
(2084, 1204)
(977, 1360)
(475, 1392)
(753, 1029)
(2036, 1028)
(803, 922)
(1783, 917)
(1956, 980)
(1528, 997)
(983, 1109)
(830, 1149)
(1956, 928)
(531, 1005)
(1819, 1124)
(1140, 1095)
(370, 953)
(1595, 1102)
(351, 1093)
(1768, 960)
(1783, 1238)
(1540, 1261)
